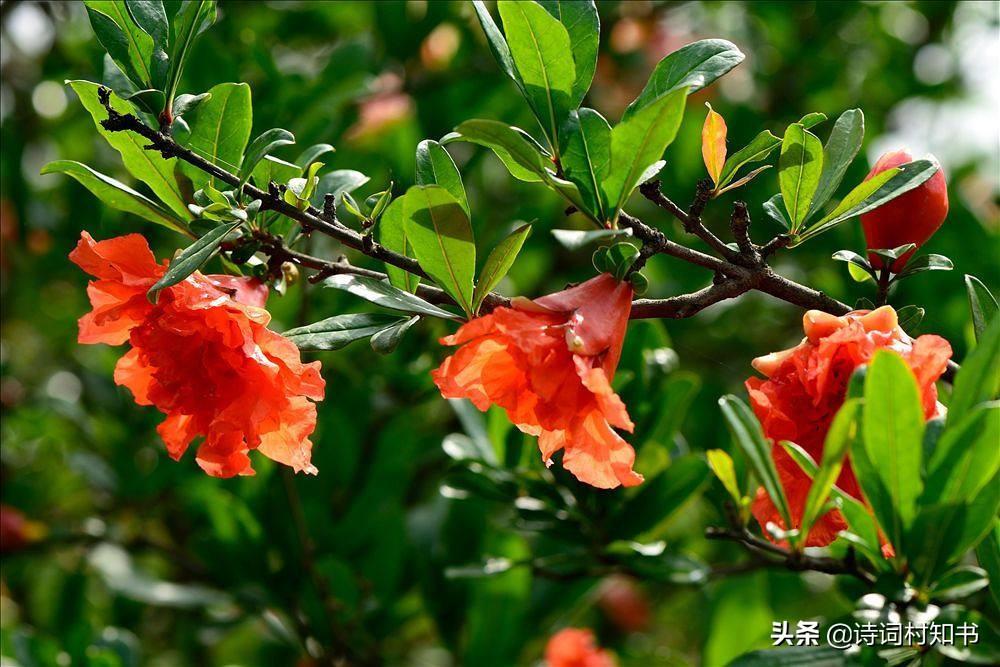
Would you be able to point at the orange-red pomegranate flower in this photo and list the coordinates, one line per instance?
(203, 355)
(807, 384)
(576, 647)
(549, 364)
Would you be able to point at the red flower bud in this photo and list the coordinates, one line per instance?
(624, 603)
(912, 217)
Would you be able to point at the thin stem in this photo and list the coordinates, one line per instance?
(884, 282)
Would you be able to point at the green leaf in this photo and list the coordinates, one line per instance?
(910, 317)
(988, 555)
(750, 438)
(439, 231)
(893, 431)
(923, 263)
(151, 17)
(116, 194)
(966, 457)
(722, 465)
(274, 169)
(313, 153)
(853, 260)
(660, 498)
(193, 18)
(386, 341)
(859, 518)
(385, 295)
(541, 49)
(185, 103)
(693, 67)
(586, 157)
(581, 21)
(523, 160)
(220, 131)
(799, 169)
(338, 331)
(147, 166)
(755, 151)
(497, 43)
(573, 239)
(338, 183)
(979, 378)
(261, 146)
(498, 263)
(838, 153)
(191, 258)
(392, 235)
(812, 119)
(982, 304)
(775, 209)
(843, 432)
(960, 582)
(870, 194)
(435, 167)
(123, 39)
(638, 142)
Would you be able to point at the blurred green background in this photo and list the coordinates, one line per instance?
(146, 561)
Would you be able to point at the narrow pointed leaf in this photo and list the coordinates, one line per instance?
(116, 194)
(522, 159)
(693, 67)
(338, 183)
(713, 144)
(498, 263)
(338, 331)
(497, 42)
(439, 231)
(387, 340)
(755, 151)
(979, 379)
(799, 169)
(192, 258)
(982, 304)
(586, 156)
(583, 25)
(127, 44)
(436, 167)
(261, 146)
(313, 153)
(392, 235)
(151, 17)
(838, 153)
(843, 431)
(383, 294)
(220, 130)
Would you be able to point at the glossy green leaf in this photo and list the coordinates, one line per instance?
(522, 159)
(775, 209)
(123, 39)
(799, 169)
(498, 263)
(338, 183)
(979, 379)
(693, 66)
(749, 436)
(959, 583)
(843, 432)
(220, 130)
(392, 235)
(541, 49)
(147, 166)
(192, 258)
(965, 457)
(658, 499)
(893, 430)
(755, 151)
(838, 153)
(188, 103)
(924, 263)
(436, 167)
(638, 142)
(910, 317)
(117, 195)
(264, 143)
(586, 157)
(151, 17)
(313, 153)
(383, 294)
(338, 331)
(982, 304)
(387, 340)
(870, 194)
(583, 25)
(722, 465)
(193, 17)
(274, 169)
(497, 42)
(812, 119)
(440, 233)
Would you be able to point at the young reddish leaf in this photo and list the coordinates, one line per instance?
(713, 143)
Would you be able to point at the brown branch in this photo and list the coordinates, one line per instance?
(691, 220)
(791, 560)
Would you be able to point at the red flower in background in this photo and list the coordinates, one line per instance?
(624, 603)
(549, 364)
(576, 647)
(203, 355)
(16, 530)
(806, 385)
(912, 217)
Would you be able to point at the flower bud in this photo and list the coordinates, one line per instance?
(913, 217)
